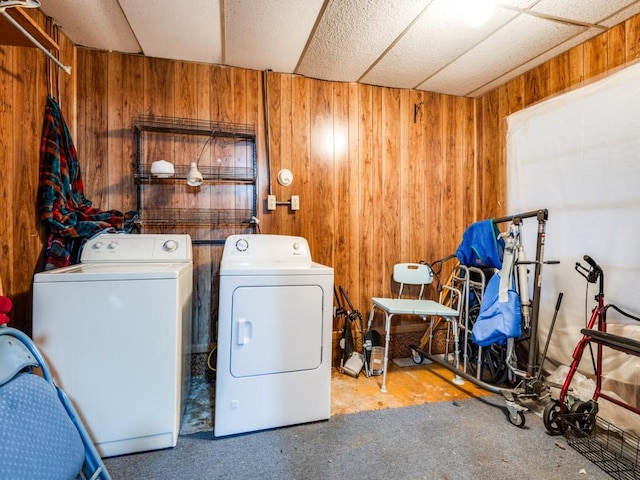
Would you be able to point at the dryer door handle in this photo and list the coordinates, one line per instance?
(245, 331)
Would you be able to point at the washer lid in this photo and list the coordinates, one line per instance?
(112, 271)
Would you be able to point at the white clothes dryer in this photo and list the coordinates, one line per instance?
(116, 331)
(274, 335)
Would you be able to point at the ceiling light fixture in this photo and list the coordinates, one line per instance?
(476, 12)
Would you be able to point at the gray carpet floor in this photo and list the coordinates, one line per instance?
(469, 439)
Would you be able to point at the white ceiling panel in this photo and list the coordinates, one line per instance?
(180, 30)
(621, 16)
(275, 45)
(502, 52)
(100, 25)
(420, 44)
(588, 11)
(436, 40)
(525, 67)
(352, 34)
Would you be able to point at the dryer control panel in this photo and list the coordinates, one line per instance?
(133, 248)
(266, 250)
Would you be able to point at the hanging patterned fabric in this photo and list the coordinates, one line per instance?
(68, 216)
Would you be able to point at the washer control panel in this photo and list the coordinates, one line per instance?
(131, 248)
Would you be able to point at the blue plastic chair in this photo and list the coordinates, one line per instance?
(41, 435)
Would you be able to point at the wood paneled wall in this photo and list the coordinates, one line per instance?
(377, 183)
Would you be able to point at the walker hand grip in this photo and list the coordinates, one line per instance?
(594, 272)
(590, 261)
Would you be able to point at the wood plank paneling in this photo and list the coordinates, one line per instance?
(351, 245)
(285, 157)
(558, 74)
(276, 107)
(321, 170)
(116, 162)
(595, 56)
(132, 105)
(92, 147)
(576, 65)
(389, 218)
(345, 197)
(8, 148)
(616, 46)
(415, 189)
(301, 155)
(632, 38)
(366, 218)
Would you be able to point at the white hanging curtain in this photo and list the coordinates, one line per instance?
(578, 155)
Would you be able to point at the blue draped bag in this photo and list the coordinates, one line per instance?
(497, 320)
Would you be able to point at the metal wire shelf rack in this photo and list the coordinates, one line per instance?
(188, 126)
(209, 173)
(195, 217)
(167, 203)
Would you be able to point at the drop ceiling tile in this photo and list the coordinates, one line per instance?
(623, 15)
(525, 67)
(438, 37)
(179, 30)
(352, 34)
(581, 10)
(524, 38)
(100, 25)
(268, 35)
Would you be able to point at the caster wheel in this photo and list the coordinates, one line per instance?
(517, 419)
(416, 357)
(583, 417)
(551, 418)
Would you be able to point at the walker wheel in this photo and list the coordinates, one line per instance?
(583, 416)
(517, 419)
(416, 357)
(551, 418)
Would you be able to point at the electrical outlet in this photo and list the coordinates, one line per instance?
(295, 202)
(271, 202)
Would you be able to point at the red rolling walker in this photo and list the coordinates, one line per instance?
(578, 419)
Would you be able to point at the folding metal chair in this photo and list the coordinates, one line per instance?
(41, 435)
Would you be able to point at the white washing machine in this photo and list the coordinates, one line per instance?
(116, 330)
(274, 335)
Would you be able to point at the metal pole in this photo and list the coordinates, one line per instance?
(35, 42)
(533, 337)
